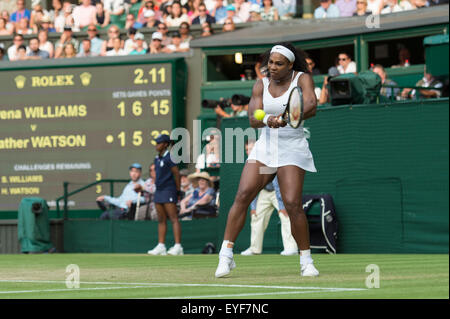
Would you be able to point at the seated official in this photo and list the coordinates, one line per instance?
(148, 211)
(121, 205)
(203, 194)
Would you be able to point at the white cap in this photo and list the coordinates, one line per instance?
(255, 8)
(149, 13)
(157, 36)
(139, 36)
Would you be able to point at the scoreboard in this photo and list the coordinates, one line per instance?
(83, 123)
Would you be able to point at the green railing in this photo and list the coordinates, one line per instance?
(417, 96)
(67, 194)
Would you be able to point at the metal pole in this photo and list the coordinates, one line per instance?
(66, 188)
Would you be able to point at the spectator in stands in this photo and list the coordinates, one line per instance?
(228, 25)
(85, 50)
(115, 8)
(66, 37)
(324, 93)
(148, 211)
(176, 45)
(346, 7)
(156, 43)
(102, 17)
(242, 9)
(164, 30)
(203, 16)
(203, 194)
(117, 48)
(286, 8)
(147, 5)
(45, 24)
(9, 26)
(21, 53)
(361, 8)
(346, 65)
(186, 185)
(45, 44)
(20, 13)
(385, 91)
(269, 12)
(36, 15)
(192, 9)
(107, 45)
(207, 30)
(3, 56)
(150, 19)
(375, 6)
(326, 10)
(220, 11)
(404, 57)
(418, 4)
(56, 11)
(140, 49)
(312, 66)
(131, 43)
(96, 42)
(13, 53)
(391, 6)
(23, 27)
(428, 81)
(69, 51)
(35, 53)
(177, 16)
(122, 204)
(185, 32)
(231, 14)
(84, 14)
(3, 29)
(255, 13)
(66, 19)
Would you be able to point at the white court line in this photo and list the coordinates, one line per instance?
(252, 294)
(185, 285)
(297, 290)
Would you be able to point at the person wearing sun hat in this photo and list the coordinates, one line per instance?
(203, 193)
(168, 191)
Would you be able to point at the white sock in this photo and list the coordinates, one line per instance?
(177, 245)
(305, 257)
(225, 251)
(161, 245)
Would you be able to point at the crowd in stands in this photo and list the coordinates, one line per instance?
(132, 15)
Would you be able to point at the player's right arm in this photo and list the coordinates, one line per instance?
(256, 102)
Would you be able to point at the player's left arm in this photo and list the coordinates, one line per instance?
(177, 176)
(306, 83)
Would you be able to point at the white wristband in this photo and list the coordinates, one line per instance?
(266, 118)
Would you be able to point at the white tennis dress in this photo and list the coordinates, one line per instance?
(277, 147)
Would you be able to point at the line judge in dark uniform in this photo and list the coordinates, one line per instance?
(166, 197)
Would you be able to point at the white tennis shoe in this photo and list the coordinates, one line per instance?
(176, 250)
(309, 270)
(247, 252)
(289, 252)
(158, 250)
(226, 264)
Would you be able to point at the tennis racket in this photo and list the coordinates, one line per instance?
(293, 114)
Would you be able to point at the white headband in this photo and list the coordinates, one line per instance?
(283, 51)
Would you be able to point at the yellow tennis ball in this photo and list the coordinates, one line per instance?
(259, 114)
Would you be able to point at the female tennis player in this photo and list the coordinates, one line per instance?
(280, 150)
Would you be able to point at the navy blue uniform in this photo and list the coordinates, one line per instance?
(166, 189)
